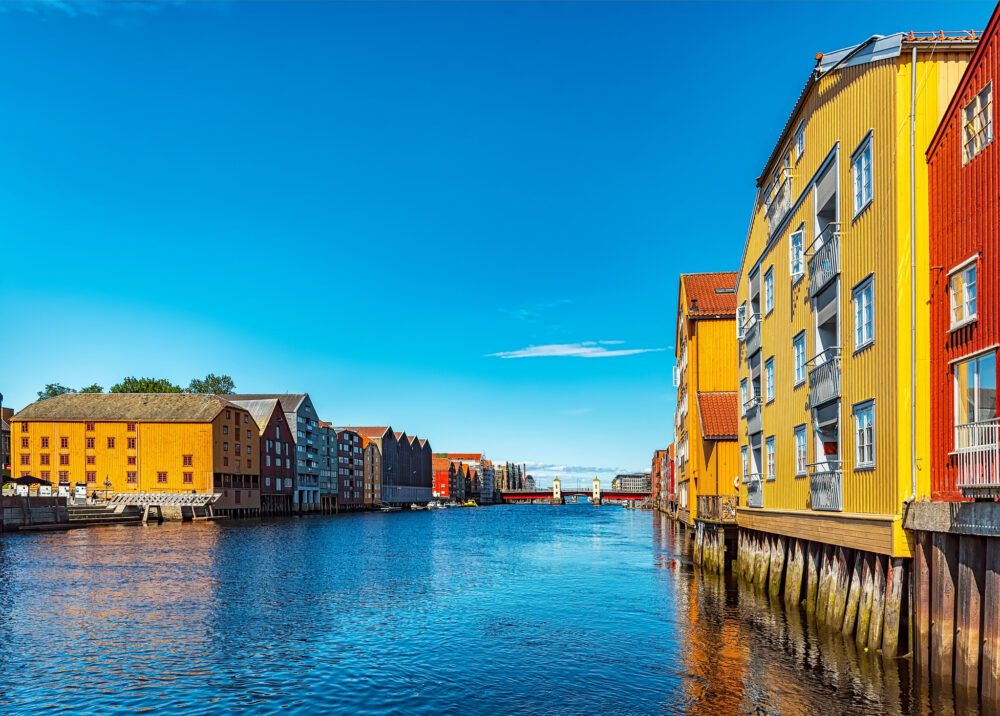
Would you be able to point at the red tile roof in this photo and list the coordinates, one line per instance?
(719, 414)
(440, 464)
(706, 295)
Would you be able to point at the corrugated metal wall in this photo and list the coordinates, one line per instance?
(964, 220)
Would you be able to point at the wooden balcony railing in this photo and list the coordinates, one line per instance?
(721, 508)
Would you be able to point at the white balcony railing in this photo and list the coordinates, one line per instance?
(824, 258)
(826, 487)
(755, 490)
(779, 202)
(751, 409)
(977, 453)
(751, 333)
(824, 377)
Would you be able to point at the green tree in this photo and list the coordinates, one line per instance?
(145, 385)
(93, 388)
(212, 383)
(51, 390)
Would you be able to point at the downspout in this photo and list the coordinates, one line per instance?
(913, 275)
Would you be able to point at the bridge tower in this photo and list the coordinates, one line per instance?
(595, 493)
(557, 498)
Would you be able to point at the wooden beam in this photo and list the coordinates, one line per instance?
(990, 691)
(878, 604)
(921, 608)
(823, 598)
(865, 601)
(853, 595)
(794, 574)
(944, 574)
(968, 616)
(838, 588)
(812, 576)
(893, 603)
(779, 545)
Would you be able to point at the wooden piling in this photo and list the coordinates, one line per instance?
(853, 595)
(699, 536)
(878, 604)
(793, 573)
(779, 546)
(812, 576)
(893, 604)
(838, 588)
(922, 606)
(823, 598)
(865, 601)
(968, 615)
(761, 562)
(990, 690)
(944, 572)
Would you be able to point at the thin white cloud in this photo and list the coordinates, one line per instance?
(76, 8)
(585, 349)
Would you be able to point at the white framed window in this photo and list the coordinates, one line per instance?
(864, 313)
(861, 173)
(962, 287)
(975, 389)
(745, 462)
(864, 435)
(741, 316)
(769, 379)
(770, 459)
(799, 357)
(769, 291)
(801, 454)
(743, 396)
(977, 122)
(796, 254)
(800, 140)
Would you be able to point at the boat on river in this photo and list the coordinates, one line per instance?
(470, 503)
(390, 508)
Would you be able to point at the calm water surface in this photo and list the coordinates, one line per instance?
(500, 610)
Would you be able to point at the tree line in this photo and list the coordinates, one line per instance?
(211, 383)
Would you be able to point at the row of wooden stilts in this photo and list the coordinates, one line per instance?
(709, 547)
(859, 593)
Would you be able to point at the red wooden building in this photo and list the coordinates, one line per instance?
(964, 182)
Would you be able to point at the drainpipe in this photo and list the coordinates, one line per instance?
(913, 274)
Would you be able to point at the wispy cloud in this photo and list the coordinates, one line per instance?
(585, 349)
(75, 8)
(534, 312)
(546, 469)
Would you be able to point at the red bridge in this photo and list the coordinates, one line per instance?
(528, 495)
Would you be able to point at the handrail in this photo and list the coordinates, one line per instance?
(834, 352)
(832, 229)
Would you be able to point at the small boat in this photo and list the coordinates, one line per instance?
(415, 506)
(470, 503)
(452, 503)
(434, 505)
(390, 508)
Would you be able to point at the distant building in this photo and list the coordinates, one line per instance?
(529, 483)
(350, 469)
(510, 476)
(444, 477)
(487, 495)
(329, 489)
(5, 415)
(300, 413)
(406, 464)
(477, 480)
(143, 443)
(631, 482)
(277, 468)
(372, 473)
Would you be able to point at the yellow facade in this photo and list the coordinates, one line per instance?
(856, 253)
(705, 347)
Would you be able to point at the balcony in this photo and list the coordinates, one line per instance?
(720, 508)
(977, 456)
(826, 488)
(824, 377)
(824, 261)
(755, 490)
(751, 409)
(751, 333)
(779, 202)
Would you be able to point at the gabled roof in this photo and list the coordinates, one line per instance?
(719, 415)
(370, 432)
(440, 464)
(150, 407)
(710, 295)
(461, 455)
(260, 410)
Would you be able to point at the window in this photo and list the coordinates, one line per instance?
(962, 292)
(111, 443)
(43, 459)
(861, 171)
(225, 447)
(46, 475)
(90, 443)
(978, 120)
(91, 460)
(130, 443)
(800, 140)
(975, 389)
(188, 460)
(161, 477)
(769, 379)
(188, 478)
(246, 418)
(25, 459)
(130, 477)
(741, 317)
(24, 443)
(864, 313)
(225, 462)
(801, 454)
(130, 427)
(91, 477)
(64, 476)
(288, 482)
(864, 435)
(45, 443)
(89, 427)
(746, 463)
(225, 430)
(769, 291)
(64, 443)
(64, 459)
(769, 448)
(743, 396)
(796, 254)
(249, 450)
(799, 357)
(131, 459)
(229, 414)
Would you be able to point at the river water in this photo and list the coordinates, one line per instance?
(500, 610)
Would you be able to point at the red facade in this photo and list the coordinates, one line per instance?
(964, 183)
(277, 468)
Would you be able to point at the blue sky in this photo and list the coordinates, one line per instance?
(465, 219)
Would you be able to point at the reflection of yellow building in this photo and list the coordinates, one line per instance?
(706, 455)
(117, 443)
(826, 293)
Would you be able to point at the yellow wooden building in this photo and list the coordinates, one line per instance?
(706, 454)
(832, 294)
(130, 443)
